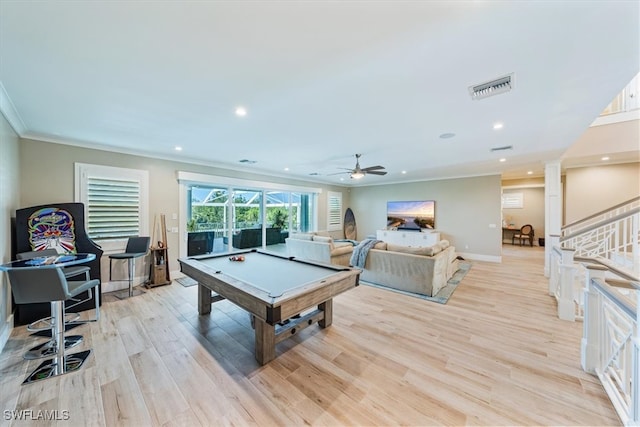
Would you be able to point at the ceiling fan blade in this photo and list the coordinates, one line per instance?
(372, 168)
(376, 172)
(339, 173)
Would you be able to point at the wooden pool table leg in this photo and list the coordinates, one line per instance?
(327, 307)
(265, 341)
(204, 300)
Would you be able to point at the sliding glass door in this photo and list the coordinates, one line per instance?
(207, 223)
(247, 219)
(222, 218)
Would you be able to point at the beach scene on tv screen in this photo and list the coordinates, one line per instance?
(411, 215)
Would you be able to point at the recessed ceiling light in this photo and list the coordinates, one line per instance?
(286, 169)
(503, 159)
(404, 172)
(241, 111)
(178, 148)
(447, 135)
(498, 125)
(529, 172)
(605, 158)
(341, 179)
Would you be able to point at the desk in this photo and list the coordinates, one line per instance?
(508, 232)
(273, 289)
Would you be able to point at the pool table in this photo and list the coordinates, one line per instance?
(274, 289)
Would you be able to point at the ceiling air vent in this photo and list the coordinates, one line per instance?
(506, 147)
(494, 87)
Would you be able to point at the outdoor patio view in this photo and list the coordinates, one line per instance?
(223, 219)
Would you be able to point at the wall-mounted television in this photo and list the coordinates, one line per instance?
(411, 215)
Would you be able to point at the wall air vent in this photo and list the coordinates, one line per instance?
(247, 161)
(494, 87)
(506, 147)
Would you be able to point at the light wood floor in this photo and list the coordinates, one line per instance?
(495, 354)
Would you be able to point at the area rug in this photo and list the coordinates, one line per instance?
(186, 281)
(444, 294)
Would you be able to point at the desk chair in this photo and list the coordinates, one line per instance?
(526, 233)
(136, 247)
(48, 348)
(38, 285)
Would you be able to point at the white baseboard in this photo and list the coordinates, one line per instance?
(5, 333)
(480, 257)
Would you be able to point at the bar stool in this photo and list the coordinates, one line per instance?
(48, 348)
(47, 284)
(136, 247)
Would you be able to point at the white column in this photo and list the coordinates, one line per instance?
(552, 207)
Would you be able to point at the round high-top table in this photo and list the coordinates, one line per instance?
(54, 261)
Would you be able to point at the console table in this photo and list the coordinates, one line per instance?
(409, 238)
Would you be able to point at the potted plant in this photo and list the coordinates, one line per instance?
(279, 219)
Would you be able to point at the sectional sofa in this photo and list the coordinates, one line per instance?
(422, 270)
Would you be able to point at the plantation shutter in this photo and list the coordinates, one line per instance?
(116, 202)
(113, 208)
(334, 202)
(512, 200)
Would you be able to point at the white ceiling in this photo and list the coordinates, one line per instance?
(321, 80)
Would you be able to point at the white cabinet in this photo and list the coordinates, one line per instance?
(409, 238)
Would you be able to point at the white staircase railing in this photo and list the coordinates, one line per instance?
(611, 341)
(603, 216)
(615, 241)
(591, 256)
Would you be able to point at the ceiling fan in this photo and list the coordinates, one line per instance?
(358, 172)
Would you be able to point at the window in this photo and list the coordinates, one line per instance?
(116, 201)
(512, 200)
(334, 215)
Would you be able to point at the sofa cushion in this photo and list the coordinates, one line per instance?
(444, 244)
(339, 244)
(322, 239)
(380, 245)
(302, 236)
(341, 250)
(425, 251)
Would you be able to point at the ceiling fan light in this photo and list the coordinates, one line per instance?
(357, 175)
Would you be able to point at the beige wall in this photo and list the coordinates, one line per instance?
(9, 200)
(592, 189)
(465, 208)
(532, 211)
(55, 182)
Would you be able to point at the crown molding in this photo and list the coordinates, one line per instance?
(10, 113)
